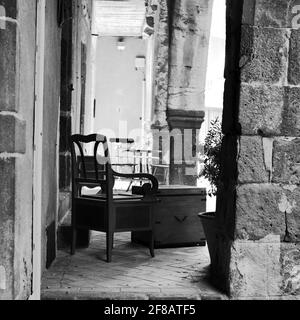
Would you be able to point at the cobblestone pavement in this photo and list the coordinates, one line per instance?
(177, 273)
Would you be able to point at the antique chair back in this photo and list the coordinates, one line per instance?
(91, 165)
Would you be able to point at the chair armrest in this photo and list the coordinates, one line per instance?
(148, 176)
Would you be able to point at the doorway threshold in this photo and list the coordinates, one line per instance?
(174, 273)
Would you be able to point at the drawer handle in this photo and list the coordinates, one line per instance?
(181, 220)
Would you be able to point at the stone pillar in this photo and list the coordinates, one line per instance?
(191, 22)
(258, 210)
(161, 64)
(17, 57)
(160, 131)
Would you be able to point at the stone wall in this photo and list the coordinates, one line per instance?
(258, 208)
(17, 61)
(17, 65)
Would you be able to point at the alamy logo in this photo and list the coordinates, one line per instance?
(296, 18)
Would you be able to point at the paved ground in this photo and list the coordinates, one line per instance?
(179, 273)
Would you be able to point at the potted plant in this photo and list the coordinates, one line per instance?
(211, 171)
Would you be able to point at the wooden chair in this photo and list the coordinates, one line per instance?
(106, 211)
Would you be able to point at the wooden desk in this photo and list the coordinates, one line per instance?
(176, 218)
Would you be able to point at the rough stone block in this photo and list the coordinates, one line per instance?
(255, 268)
(294, 58)
(7, 208)
(270, 13)
(264, 54)
(251, 164)
(290, 268)
(290, 205)
(8, 67)
(10, 8)
(291, 112)
(258, 213)
(261, 109)
(286, 161)
(12, 134)
(264, 209)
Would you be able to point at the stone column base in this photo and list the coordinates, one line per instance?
(184, 133)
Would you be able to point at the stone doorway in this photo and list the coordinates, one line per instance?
(258, 206)
(180, 272)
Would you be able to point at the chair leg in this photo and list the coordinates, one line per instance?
(73, 243)
(152, 244)
(109, 245)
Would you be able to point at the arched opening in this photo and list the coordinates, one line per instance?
(135, 79)
(257, 251)
(256, 206)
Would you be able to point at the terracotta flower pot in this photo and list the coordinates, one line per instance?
(208, 220)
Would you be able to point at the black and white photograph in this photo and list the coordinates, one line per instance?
(150, 153)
